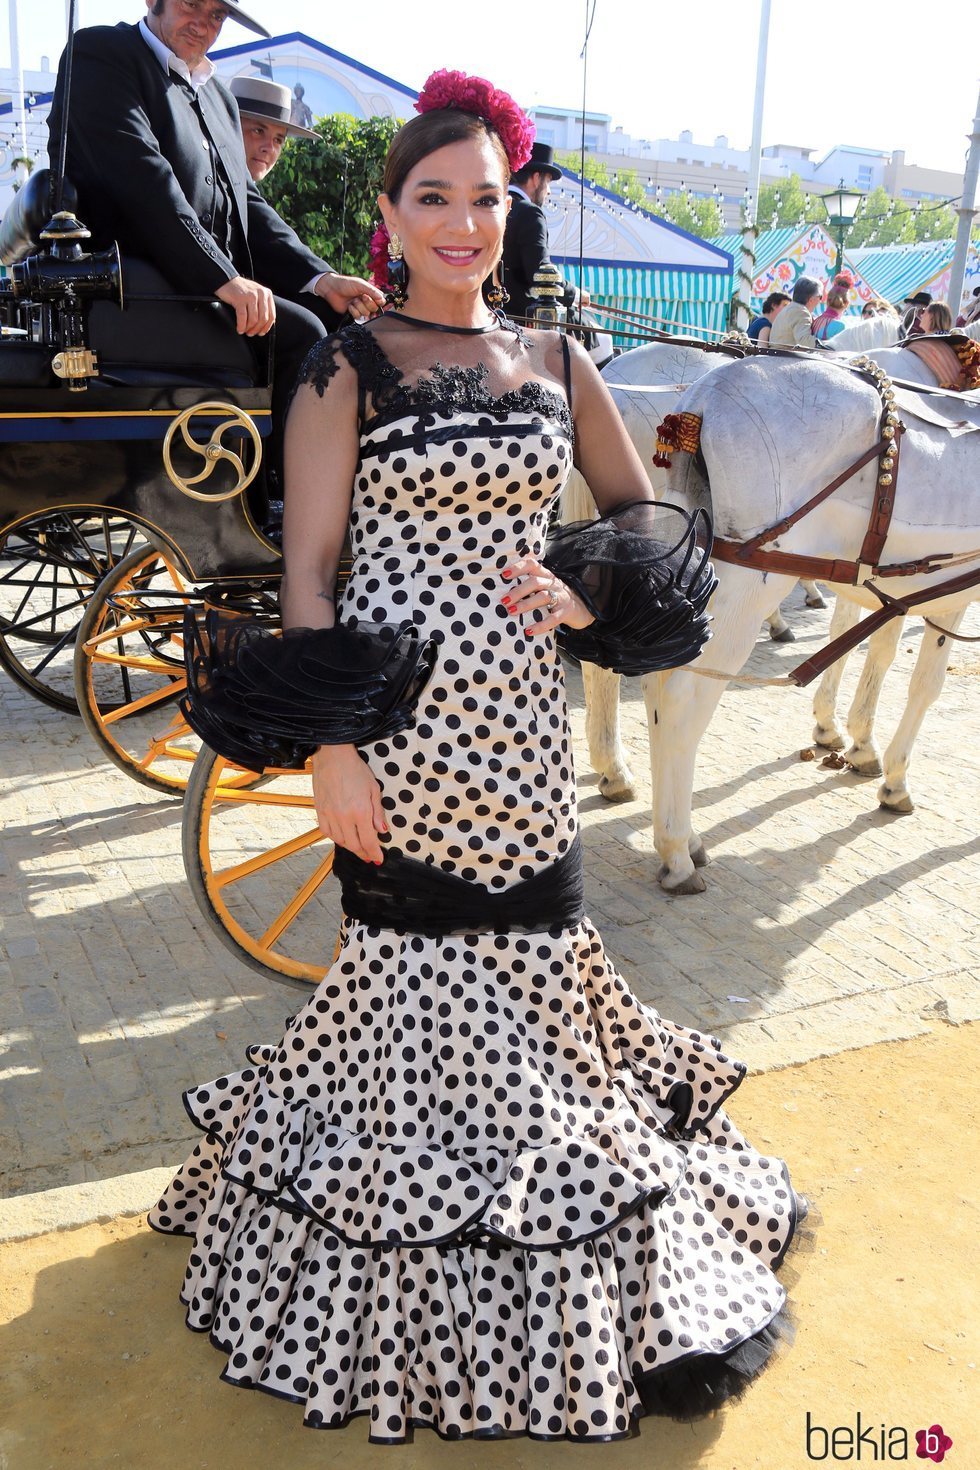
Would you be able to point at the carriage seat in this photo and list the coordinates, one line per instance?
(169, 341)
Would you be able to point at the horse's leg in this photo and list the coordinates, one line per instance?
(826, 731)
(682, 707)
(603, 733)
(863, 756)
(926, 683)
(814, 597)
(779, 630)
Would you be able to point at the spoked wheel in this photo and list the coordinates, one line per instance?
(260, 870)
(50, 565)
(129, 672)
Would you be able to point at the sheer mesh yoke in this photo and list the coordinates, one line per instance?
(403, 366)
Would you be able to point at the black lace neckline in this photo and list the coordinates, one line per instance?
(417, 321)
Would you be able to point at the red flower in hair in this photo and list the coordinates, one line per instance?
(378, 250)
(477, 95)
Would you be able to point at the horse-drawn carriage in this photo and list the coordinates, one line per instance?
(133, 484)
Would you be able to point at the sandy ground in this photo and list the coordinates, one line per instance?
(98, 1369)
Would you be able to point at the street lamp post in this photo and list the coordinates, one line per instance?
(841, 206)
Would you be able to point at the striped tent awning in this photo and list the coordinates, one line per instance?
(898, 271)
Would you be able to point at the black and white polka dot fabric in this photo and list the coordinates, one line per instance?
(477, 1186)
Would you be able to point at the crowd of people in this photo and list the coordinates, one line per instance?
(811, 317)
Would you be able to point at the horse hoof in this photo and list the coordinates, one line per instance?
(699, 857)
(786, 636)
(902, 805)
(617, 788)
(827, 739)
(863, 764)
(817, 601)
(692, 884)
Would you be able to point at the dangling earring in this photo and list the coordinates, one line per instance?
(397, 292)
(498, 295)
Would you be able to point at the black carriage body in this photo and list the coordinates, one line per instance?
(102, 450)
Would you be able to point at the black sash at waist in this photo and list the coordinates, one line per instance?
(420, 898)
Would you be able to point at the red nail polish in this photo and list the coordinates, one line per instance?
(507, 574)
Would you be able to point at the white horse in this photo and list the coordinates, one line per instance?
(646, 384)
(774, 432)
(863, 755)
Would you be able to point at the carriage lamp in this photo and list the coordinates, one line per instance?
(544, 293)
(842, 207)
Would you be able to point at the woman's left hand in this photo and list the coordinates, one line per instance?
(532, 586)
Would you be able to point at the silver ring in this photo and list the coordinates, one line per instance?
(552, 600)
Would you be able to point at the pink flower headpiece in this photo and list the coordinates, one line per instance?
(483, 99)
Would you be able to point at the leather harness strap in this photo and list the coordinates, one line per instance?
(891, 607)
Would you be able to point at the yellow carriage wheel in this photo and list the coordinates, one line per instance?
(129, 672)
(261, 871)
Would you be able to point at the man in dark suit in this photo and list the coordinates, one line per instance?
(155, 152)
(526, 235)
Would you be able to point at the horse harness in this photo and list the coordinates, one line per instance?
(758, 555)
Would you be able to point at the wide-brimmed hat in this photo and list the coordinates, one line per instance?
(921, 298)
(267, 101)
(542, 161)
(237, 13)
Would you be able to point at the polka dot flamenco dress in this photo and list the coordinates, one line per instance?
(477, 1186)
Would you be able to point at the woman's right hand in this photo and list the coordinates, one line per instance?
(347, 799)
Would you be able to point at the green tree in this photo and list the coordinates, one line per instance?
(935, 224)
(327, 190)
(785, 201)
(595, 171)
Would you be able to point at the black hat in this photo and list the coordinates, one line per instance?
(236, 13)
(542, 161)
(921, 298)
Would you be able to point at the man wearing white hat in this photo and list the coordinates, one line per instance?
(266, 109)
(155, 152)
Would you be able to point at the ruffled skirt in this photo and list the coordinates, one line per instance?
(479, 1187)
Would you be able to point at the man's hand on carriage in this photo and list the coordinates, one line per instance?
(350, 293)
(532, 586)
(347, 799)
(254, 305)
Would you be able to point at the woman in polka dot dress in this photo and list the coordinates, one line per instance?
(478, 1186)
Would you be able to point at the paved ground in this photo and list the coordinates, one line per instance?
(827, 924)
(101, 1374)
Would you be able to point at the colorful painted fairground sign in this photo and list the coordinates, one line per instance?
(812, 253)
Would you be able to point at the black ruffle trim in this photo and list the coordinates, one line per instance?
(701, 1384)
(643, 571)
(261, 700)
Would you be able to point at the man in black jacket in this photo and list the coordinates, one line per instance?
(526, 235)
(155, 152)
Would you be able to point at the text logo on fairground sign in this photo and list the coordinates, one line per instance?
(873, 1442)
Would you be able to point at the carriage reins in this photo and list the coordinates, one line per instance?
(757, 554)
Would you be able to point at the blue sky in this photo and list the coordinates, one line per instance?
(880, 75)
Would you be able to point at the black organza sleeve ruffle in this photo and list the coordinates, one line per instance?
(261, 699)
(643, 571)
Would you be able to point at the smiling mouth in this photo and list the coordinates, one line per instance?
(455, 256)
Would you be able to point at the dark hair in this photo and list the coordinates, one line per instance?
(774, 299)
(529, 169)
(433, 130)
(805, 287)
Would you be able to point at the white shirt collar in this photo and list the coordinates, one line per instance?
(202, 73)
(513, 189)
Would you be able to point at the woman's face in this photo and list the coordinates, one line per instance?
(925, 320)
(868, 310)
(450, 216)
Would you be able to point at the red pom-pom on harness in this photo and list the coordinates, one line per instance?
(679, 431)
